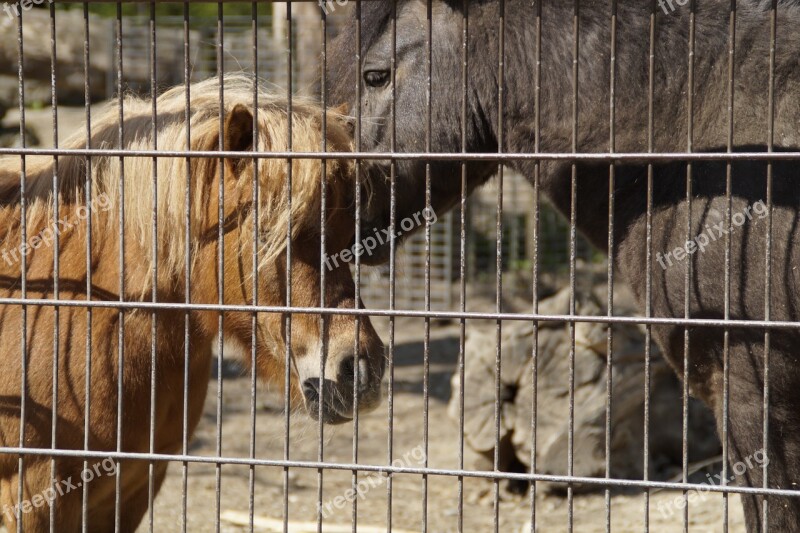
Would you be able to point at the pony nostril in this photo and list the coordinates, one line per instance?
(311, 391)
(347, 370)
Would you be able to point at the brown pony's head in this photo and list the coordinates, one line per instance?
(334, 357)
(272, 237)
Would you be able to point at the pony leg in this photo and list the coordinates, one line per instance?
(134, 504)
(38, 498)
(7, 499)
(137, 504)
(747, 456)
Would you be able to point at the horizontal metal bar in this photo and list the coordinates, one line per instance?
(470, 315)
(631, 483)
(190, 1)
(627, 157)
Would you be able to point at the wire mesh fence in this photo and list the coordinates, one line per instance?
(208, 321)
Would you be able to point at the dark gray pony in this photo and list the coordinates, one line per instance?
(709, 228)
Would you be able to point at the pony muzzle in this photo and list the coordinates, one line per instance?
(335, 401)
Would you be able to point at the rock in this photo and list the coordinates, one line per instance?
(516, 437)
(71, 76)
(37, 92)
(10, 138)
(69, 56)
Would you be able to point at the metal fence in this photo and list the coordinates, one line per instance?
(287, 473)
(444, 247)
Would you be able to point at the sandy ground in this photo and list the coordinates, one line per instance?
(551, 512)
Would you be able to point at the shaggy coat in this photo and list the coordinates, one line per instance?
(535, 113)
(140, 353)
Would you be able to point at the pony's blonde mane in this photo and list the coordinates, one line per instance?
(204, 127)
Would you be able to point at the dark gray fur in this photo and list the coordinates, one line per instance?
(670, 230)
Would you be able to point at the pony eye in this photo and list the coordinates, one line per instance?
(377, 78)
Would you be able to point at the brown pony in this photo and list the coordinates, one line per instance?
(167, 271)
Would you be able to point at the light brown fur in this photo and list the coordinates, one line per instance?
(170, 267)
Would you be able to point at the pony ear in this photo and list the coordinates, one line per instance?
(238, 133)
(239, 129)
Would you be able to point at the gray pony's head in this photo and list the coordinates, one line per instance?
(410, 112)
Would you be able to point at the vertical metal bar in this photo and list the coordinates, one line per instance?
(773, 37)
(251, 504)
(187, 290)
(88, 193)
(727, 287)
(499, 255)
(462, 280)
(23, 185)
(392, 264)
(357, 268)
(687, 284)
(612, 147)
(537, 94)
(220, 260)
(121, 313)
(288, 318)
(426, 342)
(572, 261)
(448, 262)
(649, 262)
(324, 320)
(56, 265)
(151, 488)
(323, 358)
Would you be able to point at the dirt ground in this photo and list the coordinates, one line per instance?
(627, 509)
